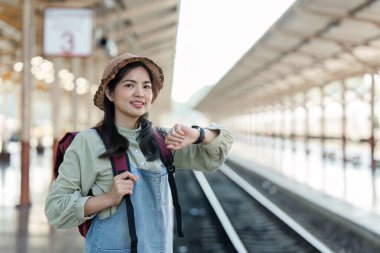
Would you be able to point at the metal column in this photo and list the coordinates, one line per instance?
(76, 66)
(344, 135)
(307, 150)
(322, 120)
(372, 140)
(26, 103)
(56, 103)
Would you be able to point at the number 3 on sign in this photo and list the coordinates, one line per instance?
(67, 42)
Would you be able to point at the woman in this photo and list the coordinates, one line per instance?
(129, 86)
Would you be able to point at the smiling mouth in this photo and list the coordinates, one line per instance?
(138, 103)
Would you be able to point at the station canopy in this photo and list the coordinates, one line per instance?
(315, 42)
(142, 27)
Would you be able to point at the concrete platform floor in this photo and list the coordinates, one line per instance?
(25, 229)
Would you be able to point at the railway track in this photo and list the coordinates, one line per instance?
(246, 213)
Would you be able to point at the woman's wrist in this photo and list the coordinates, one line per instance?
(111, 200)
(210, 135)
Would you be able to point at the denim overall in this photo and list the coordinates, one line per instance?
(153, 219)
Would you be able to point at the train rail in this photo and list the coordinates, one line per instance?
(259, 223)
(251, 214)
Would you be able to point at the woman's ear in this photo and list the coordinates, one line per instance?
(108, 94)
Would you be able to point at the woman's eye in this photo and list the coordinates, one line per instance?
(147, 87)
(129, 85)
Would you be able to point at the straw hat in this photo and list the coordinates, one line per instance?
(117, 63)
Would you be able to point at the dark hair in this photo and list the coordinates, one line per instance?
(118, 144)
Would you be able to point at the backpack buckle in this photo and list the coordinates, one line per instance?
(171, 168)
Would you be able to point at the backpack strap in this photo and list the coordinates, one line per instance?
(62, 145)
(167, 158)
(121, 164)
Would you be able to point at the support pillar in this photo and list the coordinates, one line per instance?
(76, 66)
(283, 118)
(307, 150)
(251, 127)
(4, 154)
(26, 104)
(372, 124)
(372, 140)
(89, 66)
(56, 105)
(344, 122)
(322, 121)
(344, 135)
(293, 125)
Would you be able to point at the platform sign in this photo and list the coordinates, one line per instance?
(68, 32)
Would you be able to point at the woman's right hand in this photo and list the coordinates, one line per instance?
(121, 186)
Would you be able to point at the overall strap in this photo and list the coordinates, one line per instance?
(167, 158)
(121, 164)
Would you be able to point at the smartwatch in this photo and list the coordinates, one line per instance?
(201, 134)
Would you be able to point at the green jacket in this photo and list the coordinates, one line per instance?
(82, 170)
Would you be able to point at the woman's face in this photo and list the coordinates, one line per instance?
(132, 96)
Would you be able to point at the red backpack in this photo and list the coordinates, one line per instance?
(120, 164)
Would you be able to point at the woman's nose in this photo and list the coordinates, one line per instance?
(139, 92)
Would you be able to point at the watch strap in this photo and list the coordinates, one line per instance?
(201, 134)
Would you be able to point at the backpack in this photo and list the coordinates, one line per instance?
(120, 164)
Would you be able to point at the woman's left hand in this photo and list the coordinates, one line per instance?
(180, 136)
